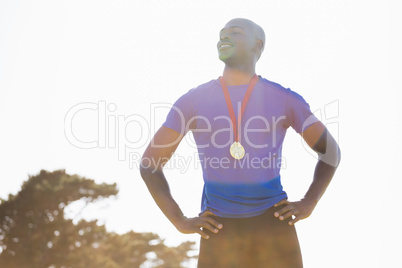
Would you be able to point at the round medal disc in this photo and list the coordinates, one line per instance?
(237, 150)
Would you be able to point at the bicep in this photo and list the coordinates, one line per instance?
(316, 136)
(161, 147)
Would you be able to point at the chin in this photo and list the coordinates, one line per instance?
(229, 61)
(226, 58)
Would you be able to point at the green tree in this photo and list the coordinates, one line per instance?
(35, 233)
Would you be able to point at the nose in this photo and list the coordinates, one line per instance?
(224, 36)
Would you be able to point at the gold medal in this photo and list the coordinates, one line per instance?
(237, 150)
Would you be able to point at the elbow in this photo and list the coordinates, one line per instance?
(143, 172)
(148, 171)
(332, 156)
(339, 156)
(336, 157)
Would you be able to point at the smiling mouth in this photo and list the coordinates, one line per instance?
(225, 46)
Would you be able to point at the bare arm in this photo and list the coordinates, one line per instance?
(321, 141)
(329, 155)
(157, 154)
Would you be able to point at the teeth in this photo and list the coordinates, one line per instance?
(222, 46)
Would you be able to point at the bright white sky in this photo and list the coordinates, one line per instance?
(342, 55)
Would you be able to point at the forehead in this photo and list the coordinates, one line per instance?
(238, 24)
(231, 28)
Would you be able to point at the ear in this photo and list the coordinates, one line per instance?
(260, 48)
(260, 44)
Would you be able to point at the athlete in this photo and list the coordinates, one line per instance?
(239, 122)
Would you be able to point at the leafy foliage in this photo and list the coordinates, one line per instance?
(34, 232)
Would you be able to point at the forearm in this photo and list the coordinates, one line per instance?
(159, 189)
(329, 156)
(322, 177)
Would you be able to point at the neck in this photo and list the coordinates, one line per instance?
(236, 76)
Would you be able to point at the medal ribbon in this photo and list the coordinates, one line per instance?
(250, 88)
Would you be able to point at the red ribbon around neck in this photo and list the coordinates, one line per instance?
(236, 127)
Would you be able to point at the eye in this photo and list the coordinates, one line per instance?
(236, 32)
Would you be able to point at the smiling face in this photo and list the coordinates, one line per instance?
(241, 41)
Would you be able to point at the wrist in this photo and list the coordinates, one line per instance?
(312, 202)
(179, 221)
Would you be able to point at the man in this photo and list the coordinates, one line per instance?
(239, 123)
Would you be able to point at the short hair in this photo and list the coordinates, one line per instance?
(258, 32)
